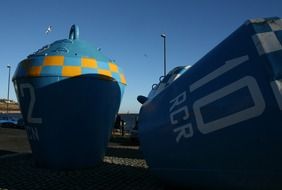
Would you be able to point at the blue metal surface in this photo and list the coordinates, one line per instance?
(69, 113)
(218, 123)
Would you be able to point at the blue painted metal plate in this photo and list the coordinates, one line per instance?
(218, 123)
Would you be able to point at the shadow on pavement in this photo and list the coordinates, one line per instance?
(124, 153)
(5, 152)
(19, 172)
(124, 141)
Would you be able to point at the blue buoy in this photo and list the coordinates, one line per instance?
(217, 124)
(69, 95)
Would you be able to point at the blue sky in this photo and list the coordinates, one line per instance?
(128, 31)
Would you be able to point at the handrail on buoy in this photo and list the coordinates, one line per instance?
(155, 86)
(161, 78)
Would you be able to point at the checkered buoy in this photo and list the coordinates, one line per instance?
(69, 94)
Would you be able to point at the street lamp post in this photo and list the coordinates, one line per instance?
(8, 95)
(164, 37)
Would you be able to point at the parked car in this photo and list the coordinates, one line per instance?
(8, 122)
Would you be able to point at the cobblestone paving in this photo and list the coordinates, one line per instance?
(123, 168)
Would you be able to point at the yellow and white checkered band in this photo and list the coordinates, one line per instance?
(68, 67)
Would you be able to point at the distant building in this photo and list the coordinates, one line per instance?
(7, 101)
(130, 120)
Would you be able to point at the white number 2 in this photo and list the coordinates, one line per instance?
(30, 119)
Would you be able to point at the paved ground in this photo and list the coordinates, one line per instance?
(122, 168)
(13, 140)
